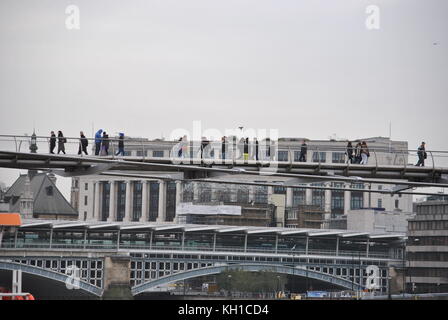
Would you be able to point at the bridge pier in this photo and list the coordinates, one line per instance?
(117, 278)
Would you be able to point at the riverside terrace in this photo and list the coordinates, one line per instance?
(164, 253)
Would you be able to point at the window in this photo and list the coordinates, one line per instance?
(157, 154)
(338, 157)
(140, 153)
(319, 156)
(337, 200)
(105, 201)
(137, 204)
(153, 201)
(283, 156)
(86, 186)
(279, 190)
(397, 204)
(298, 197)
(261, 194)
(205, 193)
(296, 156)
(357, 197)
(170, 200)
(380, 203)
(85, 200)
(121, 200)
(318, 196)
(49, 190)
(242, 195)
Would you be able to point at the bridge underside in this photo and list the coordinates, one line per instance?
(39, 276)
(195, 168)
(300, 272)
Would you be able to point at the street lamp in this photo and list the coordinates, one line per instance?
(229, 277)
(389, 295)
(33, 143)
(278, 287)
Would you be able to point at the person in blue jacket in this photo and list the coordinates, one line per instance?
(98, 141)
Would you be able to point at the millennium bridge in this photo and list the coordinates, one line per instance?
(145, 256)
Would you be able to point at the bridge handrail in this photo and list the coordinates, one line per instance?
(143, 141)
(296, 253)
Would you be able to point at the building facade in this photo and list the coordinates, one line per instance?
(35, 195)
(130, 199)
(427, 248)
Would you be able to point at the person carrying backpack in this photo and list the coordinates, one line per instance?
(421, 155)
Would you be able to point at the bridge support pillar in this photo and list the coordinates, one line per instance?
(117, 278)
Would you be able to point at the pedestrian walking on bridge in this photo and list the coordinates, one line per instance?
(61, 142)
(98, 142)
(52, 142)
(421, 155)
(83, 143)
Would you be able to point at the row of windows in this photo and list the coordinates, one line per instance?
(428, 225)
(89, 270)
(433, 209)
(428, 256)
(141, 153)
(428, 272)
(428, 241)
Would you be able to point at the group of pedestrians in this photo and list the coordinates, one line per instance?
(61, 141)
(102, 143)
(359, 154)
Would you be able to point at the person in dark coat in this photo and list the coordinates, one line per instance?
(105, 144)
(358, 153)
(223, 147)
(303, 151)
(98, 142)
(421, 155)
(121, 144)
(83, 143)
(268, 148)
(349, 152)
(61, 142)
(256, 148)
(52, 142)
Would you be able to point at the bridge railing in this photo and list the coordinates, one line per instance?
(271, 151)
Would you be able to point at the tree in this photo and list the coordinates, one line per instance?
(246, 281)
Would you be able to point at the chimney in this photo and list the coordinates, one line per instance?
(52, 177)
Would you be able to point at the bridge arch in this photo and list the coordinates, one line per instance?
(347, 284)
(49, 274)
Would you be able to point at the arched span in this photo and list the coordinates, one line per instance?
(347, 284)
(53, 275)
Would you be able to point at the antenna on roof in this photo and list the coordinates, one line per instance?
(390, 136)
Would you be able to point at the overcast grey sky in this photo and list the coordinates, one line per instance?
(308, 68)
